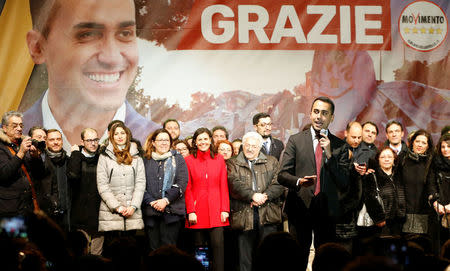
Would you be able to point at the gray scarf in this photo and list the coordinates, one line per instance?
(54, 154)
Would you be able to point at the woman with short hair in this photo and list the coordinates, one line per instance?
(388, 215)
(182, 147)
(224, 148)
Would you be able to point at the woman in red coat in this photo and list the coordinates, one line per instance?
(207, 200)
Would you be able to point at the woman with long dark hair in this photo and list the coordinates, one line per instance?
(439, 187)
(414, 166)
(207, 198)
(120, 183)
(167, 176)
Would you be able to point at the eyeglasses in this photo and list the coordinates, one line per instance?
(163, 140)
(265, 125)
(182, 149)
(90, 141)
(248, 146)
(15, 125)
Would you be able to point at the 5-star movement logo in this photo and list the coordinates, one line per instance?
(423, 25)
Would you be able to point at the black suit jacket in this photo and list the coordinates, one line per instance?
(299, 161)
(276, 148)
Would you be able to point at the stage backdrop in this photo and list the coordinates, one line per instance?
(211, 62)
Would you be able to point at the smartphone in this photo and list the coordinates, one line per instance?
(202, 255)
(309, 180)
(396, 250)
(14, 227)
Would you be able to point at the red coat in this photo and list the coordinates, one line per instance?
(207, 190)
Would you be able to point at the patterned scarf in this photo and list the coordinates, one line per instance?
(169, 169)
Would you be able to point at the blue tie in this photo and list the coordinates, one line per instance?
(266, 147)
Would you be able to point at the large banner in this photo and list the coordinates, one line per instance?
(217, 62)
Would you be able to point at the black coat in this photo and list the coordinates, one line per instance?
(365, 153)
(392, 192)
(414, 170)
(15, 189)
(82, 177)
(349, 198)
(154, 173)
(438, 181)
(52, 190)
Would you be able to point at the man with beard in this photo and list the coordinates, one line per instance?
(173, 127)
(52, 190)
(263, 126)
(82, 176)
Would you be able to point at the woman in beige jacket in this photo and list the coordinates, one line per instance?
(120, 182)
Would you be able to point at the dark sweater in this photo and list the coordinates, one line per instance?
(82, 177)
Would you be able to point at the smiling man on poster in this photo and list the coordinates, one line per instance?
(90, 51)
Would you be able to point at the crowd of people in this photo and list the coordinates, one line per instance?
(226, 201)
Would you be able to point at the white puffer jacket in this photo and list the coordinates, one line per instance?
(120, 185)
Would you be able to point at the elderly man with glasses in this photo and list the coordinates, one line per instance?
(255, 196)
(19, 160)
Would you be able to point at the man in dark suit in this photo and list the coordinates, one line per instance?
(263, 126)
(310, 171)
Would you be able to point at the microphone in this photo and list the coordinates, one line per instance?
(322, 133)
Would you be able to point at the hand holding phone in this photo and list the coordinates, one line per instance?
(361, 168)
(308, 180)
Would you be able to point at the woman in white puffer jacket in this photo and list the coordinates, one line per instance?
(120, 182)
